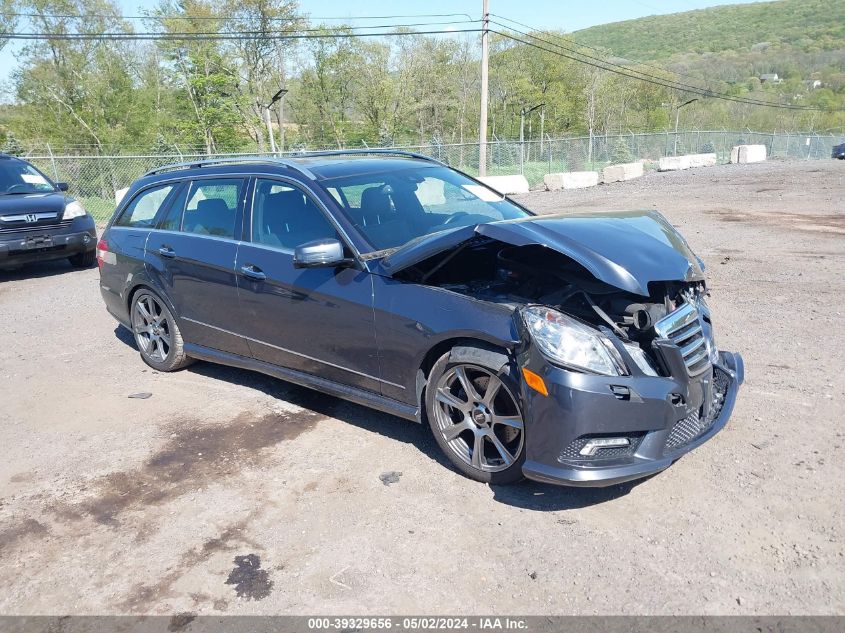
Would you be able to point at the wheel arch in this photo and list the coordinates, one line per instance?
(464, 348)
(146, 284)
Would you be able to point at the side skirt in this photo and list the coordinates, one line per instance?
(324, 385)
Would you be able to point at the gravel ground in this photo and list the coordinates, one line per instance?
(229, 492)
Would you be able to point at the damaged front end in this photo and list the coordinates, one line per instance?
(611, 313)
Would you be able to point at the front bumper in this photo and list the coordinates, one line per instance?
(661, 426)
(55, 242)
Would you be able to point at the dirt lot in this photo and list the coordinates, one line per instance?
(229, 492)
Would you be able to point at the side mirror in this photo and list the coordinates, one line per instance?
(325, 253)
(62, 186)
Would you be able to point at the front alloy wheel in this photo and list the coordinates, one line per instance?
(478, 422)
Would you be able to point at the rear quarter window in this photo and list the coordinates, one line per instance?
(142, 211)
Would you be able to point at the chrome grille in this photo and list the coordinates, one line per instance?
(683, 328)
(34, 228)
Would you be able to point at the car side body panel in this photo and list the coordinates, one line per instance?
(199, 278)
(412, 319)
(315, 320)
(124, 269)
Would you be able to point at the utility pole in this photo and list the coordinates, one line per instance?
(482, 121)
(270, 129)
(276, 97)
(282, 120)
(542, 126)
(677, 119)
(522, 114)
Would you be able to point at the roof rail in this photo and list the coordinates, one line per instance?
(232, 160)
(285, 162)
(366, 152)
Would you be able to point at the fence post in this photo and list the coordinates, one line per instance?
(522, 157)
(53, 162)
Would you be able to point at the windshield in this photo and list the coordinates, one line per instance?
(19, 177)
(394, 207)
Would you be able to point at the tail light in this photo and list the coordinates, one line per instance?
(102, 252)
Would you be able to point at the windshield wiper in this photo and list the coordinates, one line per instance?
(22, 193)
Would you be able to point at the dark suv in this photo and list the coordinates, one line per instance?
(39, 221)
(572, 349)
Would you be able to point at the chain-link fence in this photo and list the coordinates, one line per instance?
(94, 179)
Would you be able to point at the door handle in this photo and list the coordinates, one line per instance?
(166, 251)
(253, 272)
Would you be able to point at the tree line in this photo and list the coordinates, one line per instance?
(194, 93)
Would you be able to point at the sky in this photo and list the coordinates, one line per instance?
(567, 15)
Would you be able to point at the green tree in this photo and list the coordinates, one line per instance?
(12, 145)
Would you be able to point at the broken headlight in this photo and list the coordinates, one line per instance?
(640, 358)
(571, 343)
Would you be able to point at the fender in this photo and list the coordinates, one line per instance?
(485, 355)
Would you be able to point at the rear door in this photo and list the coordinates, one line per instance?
(192, 256)
(316, 320)
(126, 239)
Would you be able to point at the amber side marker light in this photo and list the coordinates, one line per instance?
(534, 381)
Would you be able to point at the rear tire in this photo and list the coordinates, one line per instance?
(83, 260)
(475, 413)
(156, 333)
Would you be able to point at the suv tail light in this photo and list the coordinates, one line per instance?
(102, 252)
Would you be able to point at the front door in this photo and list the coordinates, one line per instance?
(315, 320)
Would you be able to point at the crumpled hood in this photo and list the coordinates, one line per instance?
(627, 249)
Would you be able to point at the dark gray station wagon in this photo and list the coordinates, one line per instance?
(573, 349)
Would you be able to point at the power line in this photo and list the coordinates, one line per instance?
(641, 76)
(592, 48)
(699, 90)
(290, 18)
(234, 35)
(693, 89)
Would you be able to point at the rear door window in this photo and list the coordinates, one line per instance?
(213, 206)
(142, 211)
(171, 219)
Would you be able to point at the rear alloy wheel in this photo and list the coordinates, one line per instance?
(156, 333)
(477, 420)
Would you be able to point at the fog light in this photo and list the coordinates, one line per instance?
(593, 445)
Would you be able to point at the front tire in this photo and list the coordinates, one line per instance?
(475, 413)
(156, 333)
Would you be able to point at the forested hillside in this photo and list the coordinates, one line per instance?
(805, 25)
(206, 87)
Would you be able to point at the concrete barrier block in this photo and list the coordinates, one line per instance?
(624, 171)
(571, 180)
(702, 160)
(743, 154)
(506, 184)
(431, 192)
(673, 163)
